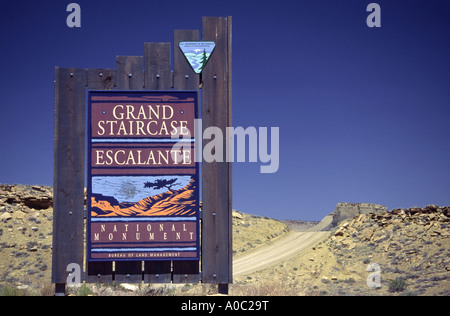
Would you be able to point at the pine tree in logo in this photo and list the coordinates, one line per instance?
(203, 61)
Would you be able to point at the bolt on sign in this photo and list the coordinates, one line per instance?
(143, 181)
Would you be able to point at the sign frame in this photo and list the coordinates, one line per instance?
(173, 98)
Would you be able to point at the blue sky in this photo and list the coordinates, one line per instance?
(363, 112)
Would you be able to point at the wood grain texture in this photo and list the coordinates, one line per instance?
(69, 171)
(130, 72)
(158, 70)
(101, 79)
(217, 176)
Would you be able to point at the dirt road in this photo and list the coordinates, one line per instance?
(285, 247)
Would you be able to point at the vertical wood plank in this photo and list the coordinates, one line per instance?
(158, 71)
(158, 76)
(130, 76)
(99, 272)
(69, 171)
(157, 271)
(217, 176)
(185, 79)
(100, 79)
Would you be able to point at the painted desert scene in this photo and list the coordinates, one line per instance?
(171, 202)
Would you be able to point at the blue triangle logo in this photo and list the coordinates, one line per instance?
(197, 54)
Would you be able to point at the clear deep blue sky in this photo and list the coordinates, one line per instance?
(364, 113)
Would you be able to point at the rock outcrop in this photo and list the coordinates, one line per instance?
(433, 220)
(26, 222)
(34, 197)
(411, 244)
(345, 211)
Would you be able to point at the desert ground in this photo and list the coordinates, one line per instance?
(398, 252)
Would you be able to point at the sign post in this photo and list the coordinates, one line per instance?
(217, 176)
(143, 218)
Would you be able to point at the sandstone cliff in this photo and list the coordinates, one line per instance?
(34, 197)
(345, 211)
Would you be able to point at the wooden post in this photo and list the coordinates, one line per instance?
(69, 172)
(217, 176)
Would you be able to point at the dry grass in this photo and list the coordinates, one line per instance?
(264, 288)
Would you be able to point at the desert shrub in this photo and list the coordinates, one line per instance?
(397, 285)
(84, 290)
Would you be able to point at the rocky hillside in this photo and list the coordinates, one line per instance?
(411, 247)
(26, 223)
(251, 231)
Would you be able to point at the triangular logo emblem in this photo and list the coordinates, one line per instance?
(197, 53)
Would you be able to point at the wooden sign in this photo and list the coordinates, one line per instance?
(143, 181)
(143, 201)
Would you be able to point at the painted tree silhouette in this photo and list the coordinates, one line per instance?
(204, 60)
(161, 183)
